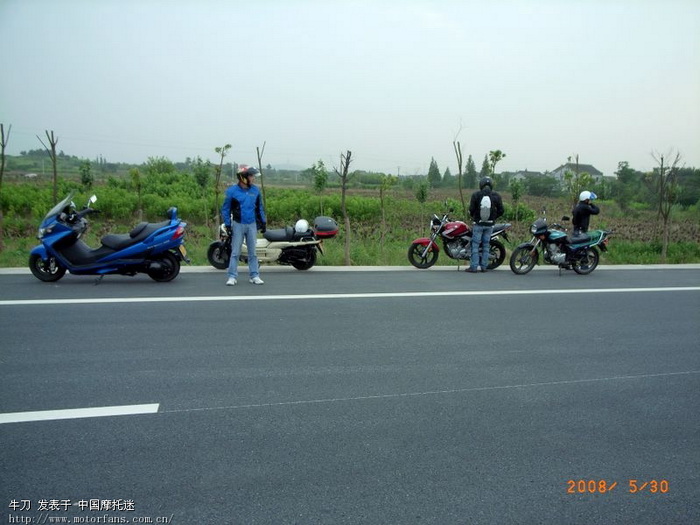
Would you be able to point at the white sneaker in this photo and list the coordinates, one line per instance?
(257, 280)
(231, 281)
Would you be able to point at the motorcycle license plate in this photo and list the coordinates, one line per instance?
(183, 250)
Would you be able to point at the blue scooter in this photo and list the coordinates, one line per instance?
(152, 248)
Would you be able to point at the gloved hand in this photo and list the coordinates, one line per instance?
(263, 227)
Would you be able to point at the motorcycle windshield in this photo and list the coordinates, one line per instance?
(59, 207)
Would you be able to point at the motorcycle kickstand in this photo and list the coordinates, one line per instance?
(99, 279)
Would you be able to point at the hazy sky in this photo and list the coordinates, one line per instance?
(395, 82)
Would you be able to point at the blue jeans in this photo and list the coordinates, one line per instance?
(481, 238)
(249, 232)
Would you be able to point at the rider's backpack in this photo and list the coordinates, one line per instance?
(485, 209)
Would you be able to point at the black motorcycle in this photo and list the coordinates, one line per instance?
(578, 252)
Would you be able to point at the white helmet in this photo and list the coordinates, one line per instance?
(302, 226)
(586, 195)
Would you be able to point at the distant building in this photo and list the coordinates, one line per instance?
(571, 167)
(523, 174)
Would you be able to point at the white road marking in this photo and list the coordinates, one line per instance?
(78, 413)
(299, 297)
(433, 392)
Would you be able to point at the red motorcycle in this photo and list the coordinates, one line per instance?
(457, 241)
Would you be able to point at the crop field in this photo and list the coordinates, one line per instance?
(381, 229)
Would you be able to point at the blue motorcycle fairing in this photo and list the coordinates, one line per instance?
(62, 241)
(40, 250)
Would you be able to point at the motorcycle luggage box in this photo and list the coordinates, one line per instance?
(325, 227)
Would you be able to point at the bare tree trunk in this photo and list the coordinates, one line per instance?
(3, 144)
(345, 160)
(666, 186)
(458, 151)
(222, 151)
(52, 153)
(262, 182)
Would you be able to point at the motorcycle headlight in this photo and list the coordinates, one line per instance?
(533, 229)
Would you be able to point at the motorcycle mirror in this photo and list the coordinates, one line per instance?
(565, 218)
(92, 200)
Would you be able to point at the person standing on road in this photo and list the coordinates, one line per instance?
(484, 208)
(243, 215)
(582, 212)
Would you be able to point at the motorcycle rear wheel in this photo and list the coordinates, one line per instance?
(497, 254)
(587, 262)
(169, 268)
(308, 262)
(415, 256)
(522, 259)
(48, 271)
(217, 255)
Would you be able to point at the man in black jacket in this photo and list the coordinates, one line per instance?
(582, 212)
(484, 208)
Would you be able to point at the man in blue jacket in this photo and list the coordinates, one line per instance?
(243, 214)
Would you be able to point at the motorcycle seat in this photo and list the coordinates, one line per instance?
(119, 241)
(281, 234)
(579, 238)
(500, 227)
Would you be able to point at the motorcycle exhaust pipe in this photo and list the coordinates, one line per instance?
(154, 266)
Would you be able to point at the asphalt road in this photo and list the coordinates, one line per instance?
(354, 397)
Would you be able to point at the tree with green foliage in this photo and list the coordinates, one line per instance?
(86, 177)
(485, 168)
(516, 192)
(137, 185)
(471, 174)
(387, 182)
(542, 186)
(688, 186)
(202, 174)
(320, 176)
(495, 157)
(626, 189)
(434, 177)
(448, 180)
(575, 181)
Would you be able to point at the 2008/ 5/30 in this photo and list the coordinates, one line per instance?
(593, 486)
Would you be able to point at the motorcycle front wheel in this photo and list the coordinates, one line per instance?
(416, 258)
(218, 255)
(168, 270)
(497, 254)
(48, 271)
(587, 262)
(523, 259)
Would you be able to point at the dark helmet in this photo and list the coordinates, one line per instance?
(245, 171)
(485, 181)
